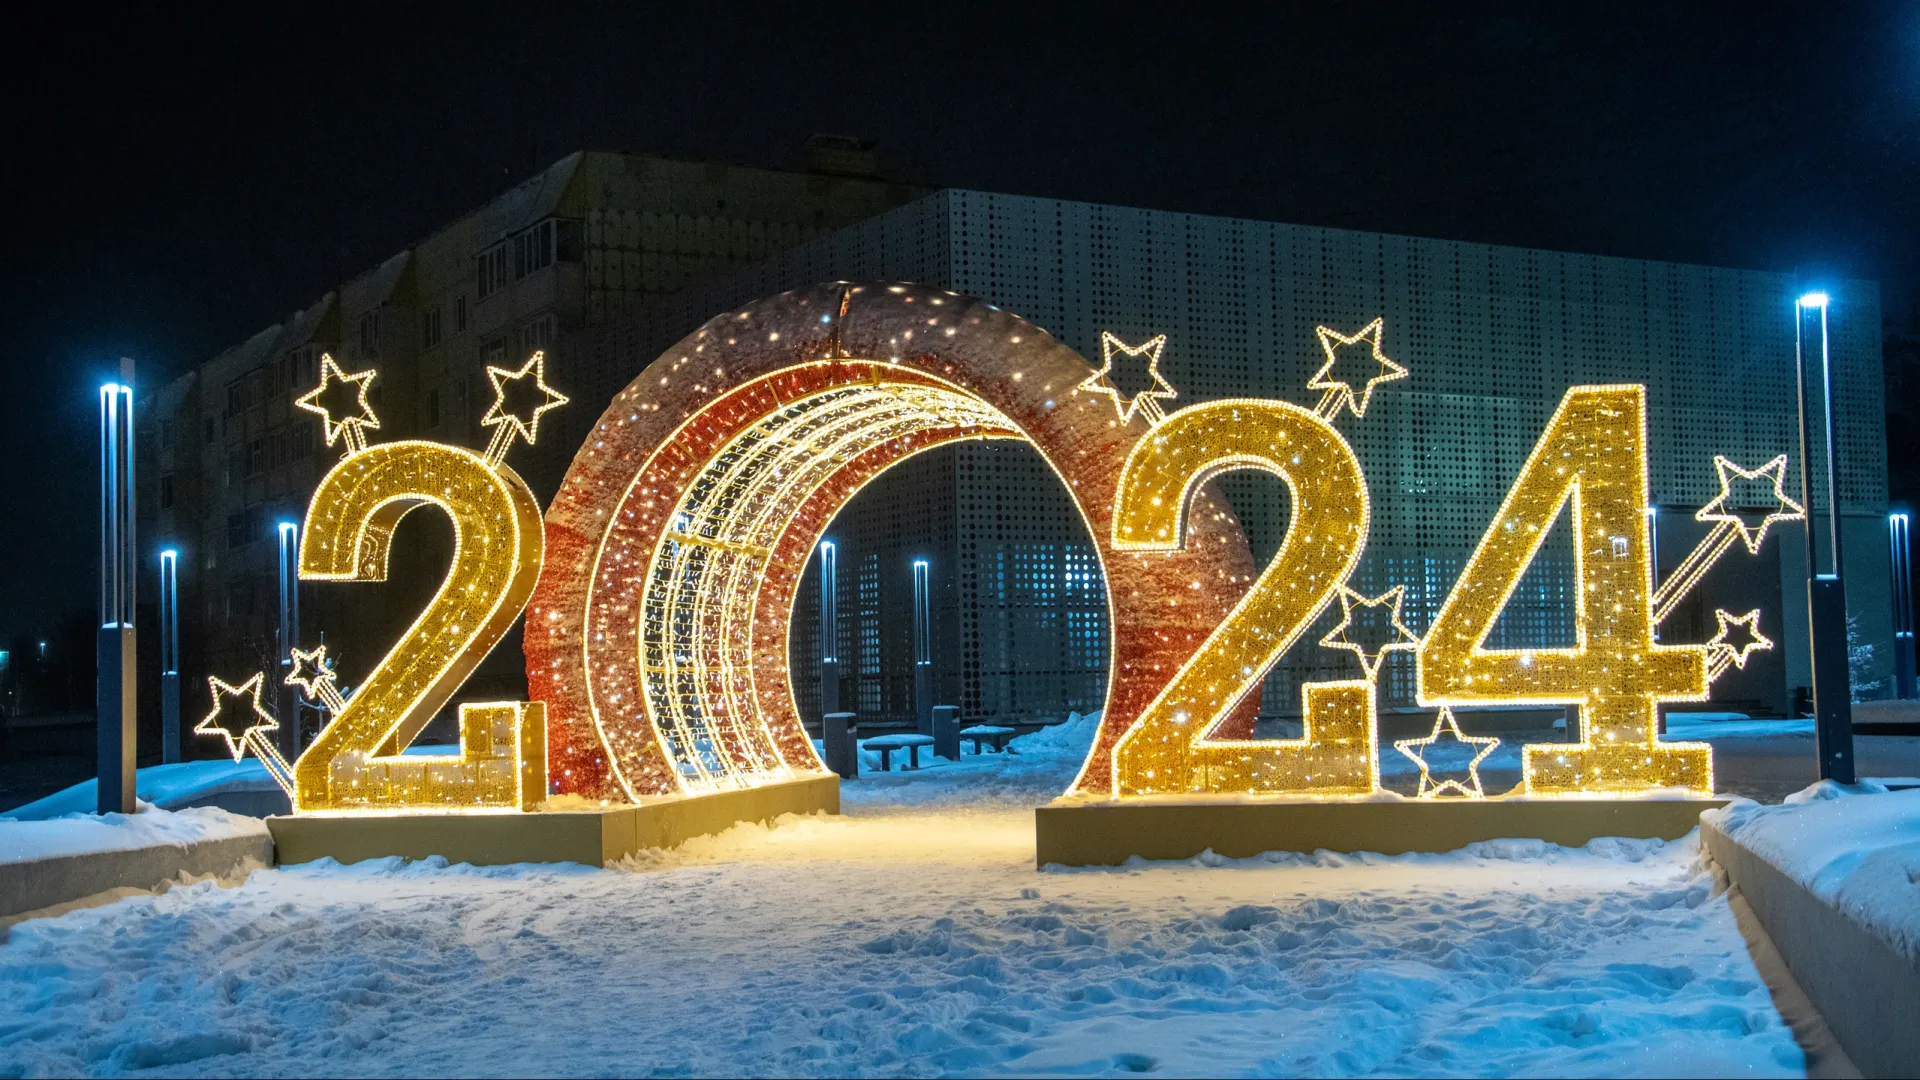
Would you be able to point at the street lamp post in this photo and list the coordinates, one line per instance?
(1826, 594)
(170, 656)
(289, 731)
(114, 688)
(829, 629)
(922, 650)
(1900, 530)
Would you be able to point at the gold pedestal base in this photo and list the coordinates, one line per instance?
(595, 837)
(1087, 833)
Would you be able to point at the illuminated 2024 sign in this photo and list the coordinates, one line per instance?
(657, 634)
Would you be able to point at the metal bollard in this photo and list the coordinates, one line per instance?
(839, 730)
(946, 731)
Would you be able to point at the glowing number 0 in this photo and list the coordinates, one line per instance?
(356, 761)
(1593, 456)
(1167, 750)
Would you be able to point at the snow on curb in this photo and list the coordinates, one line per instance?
(57, 861)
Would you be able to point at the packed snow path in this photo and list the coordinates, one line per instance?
(911, 937)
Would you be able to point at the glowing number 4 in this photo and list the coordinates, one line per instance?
(1168, 749)
(357, 762)
(1592, 459)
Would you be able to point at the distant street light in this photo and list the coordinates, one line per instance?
(1900, 530)
(170, 656)
(289, 639)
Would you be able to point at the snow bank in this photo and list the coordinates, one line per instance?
(76, 834)
(1856, 848)
(165, 786)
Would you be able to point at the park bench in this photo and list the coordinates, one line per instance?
(887, 744)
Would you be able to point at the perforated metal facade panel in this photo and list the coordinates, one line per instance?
(1492, 336)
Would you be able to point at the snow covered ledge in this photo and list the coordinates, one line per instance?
(64, 859)
(1834, 877)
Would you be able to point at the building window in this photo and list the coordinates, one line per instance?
(257, 456)
(491, 270)
(533, 249)
(430, 328)
(206, 434)
(236, 531)
(460, 314)
(236, 397)
(433, 408)
(166, 491)
(537, 335)
(370, 334)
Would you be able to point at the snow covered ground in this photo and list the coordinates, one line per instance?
(912, 937)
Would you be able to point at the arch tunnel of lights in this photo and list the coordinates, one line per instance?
(658, 634)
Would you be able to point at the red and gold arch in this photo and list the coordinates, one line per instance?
(657, 636)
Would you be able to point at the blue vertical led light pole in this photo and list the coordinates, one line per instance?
(1900, 534)
(922, 650)
(170, 656)
(289, 731)
(1653, 549)
(1826, 594)
(829, 629)
(114, 673)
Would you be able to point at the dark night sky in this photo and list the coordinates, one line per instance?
(178, 181)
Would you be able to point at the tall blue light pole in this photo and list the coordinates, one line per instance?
(170, 656)
(829, 628)
(1900, 534)
(289, 731)
(1826, 595)
(922, 650)
(114, 672)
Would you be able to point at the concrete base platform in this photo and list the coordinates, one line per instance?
(595, 837)
(1868, 993)
(1088, 833)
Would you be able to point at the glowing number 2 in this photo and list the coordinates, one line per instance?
(356, 761)
(1592, 458)
(1167, 750)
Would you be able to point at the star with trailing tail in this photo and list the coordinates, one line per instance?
(315, 678)
(1155, 387)
(1370, 651)
(1739, 636)
(519, 397)
(341, 402)
(1360, 365)
(1765, 504)
(1445, 722)
(237, 715)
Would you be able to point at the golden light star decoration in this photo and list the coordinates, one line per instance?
(1763, 502)
(1445, 722)
(1366, 368)
(1387, 604)
(1145, 402)
(341, 402)
(1729, 649)
(238, 718)
(531, 396)
(315, 678)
